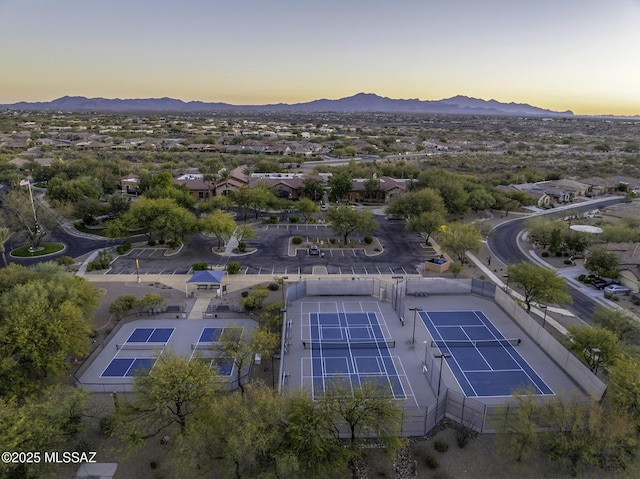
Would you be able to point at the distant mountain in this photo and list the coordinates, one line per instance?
(360, 103)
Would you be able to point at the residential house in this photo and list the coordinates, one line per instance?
(130, 183)
(629, 263)
(597, 186)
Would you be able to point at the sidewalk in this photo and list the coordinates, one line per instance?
(498, 281)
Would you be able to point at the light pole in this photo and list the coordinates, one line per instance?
(595, 356)
(415, 313)
(283, 284)
(441, 356)
(397, 278)
(544, 319)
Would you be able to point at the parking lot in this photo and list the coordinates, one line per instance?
(401, 253)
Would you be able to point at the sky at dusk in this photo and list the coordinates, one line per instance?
(579, 55)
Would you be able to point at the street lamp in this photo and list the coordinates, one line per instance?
(397, 278)
(283, 284)
(441, 356)
(415, 313)
(595, 356)
(544, 319)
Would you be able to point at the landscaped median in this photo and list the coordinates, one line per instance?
(369, 244)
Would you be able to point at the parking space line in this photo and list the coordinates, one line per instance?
(404, 271)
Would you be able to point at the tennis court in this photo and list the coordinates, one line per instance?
(483, 361)
(351, 348)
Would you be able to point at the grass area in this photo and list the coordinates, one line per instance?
(46, 248)
(94, 231)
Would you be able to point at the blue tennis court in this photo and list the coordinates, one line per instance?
(150, 335)
(483, 361)
(127, 367)
(224, 366)
(350, 349)
(212, 335)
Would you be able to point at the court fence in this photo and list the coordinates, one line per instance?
(467, 412)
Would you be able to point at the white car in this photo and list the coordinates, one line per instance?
(313, 249)
(616, 289)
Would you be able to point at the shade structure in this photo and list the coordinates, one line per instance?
(207, 279)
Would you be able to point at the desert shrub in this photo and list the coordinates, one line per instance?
(296, 240)
(332, 240)
(368, 239)
(242, 246)
(254, 299)
(244, 294)
(567, 261)
(441, 445)
(124, 247)
(151, 242)
(431, 462)
(65, 261)
(107, 425)
(558, 254)
(294, 219)
(174, 244)
(273, 219)
(463, 434)
(273, 286)
(233, 268)
(160, 241)
(582, 277)
(202, 266)
(545, 254)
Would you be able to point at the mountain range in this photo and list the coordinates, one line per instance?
(360, 103)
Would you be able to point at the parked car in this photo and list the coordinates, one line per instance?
(602, 283)
(313, 249)
(616, 289)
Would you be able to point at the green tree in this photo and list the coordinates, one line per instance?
(618, 322)
(122, 305)
(219, 223)
(149, 300)
(234, 345)
(540, 229)
(162, 218)
(42, 423)
(44, 319)
(458, 238)
(584, 340)
(311, 437)
(306, 208)
(365, 411)
(518, 433)
(18, 215)
(602, 262)
(346, 221)
(539, 284)
(587, 434)
(624, 385)
(425, 223)
(312, 188)
(171, 396)
(4, 237)
(416, 202)
(238, 436)
(340, 184)
(480, 199)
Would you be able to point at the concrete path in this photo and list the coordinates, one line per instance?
(199, 308)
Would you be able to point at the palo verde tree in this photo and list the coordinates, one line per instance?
(218, 223)
(170, 395)
(602, 262)
(458, 238)
(45, 317)
(346, 221)
(539, 284)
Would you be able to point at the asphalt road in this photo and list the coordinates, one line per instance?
(504, 245)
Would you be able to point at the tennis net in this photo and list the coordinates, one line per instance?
(391, 343)
(134, 345)
(480, 343)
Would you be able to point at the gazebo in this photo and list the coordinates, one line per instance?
(206, 280)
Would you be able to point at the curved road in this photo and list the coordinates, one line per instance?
(504, 245)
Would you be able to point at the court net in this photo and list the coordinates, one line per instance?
(133, 345)
(391, 343)
(480, 343)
